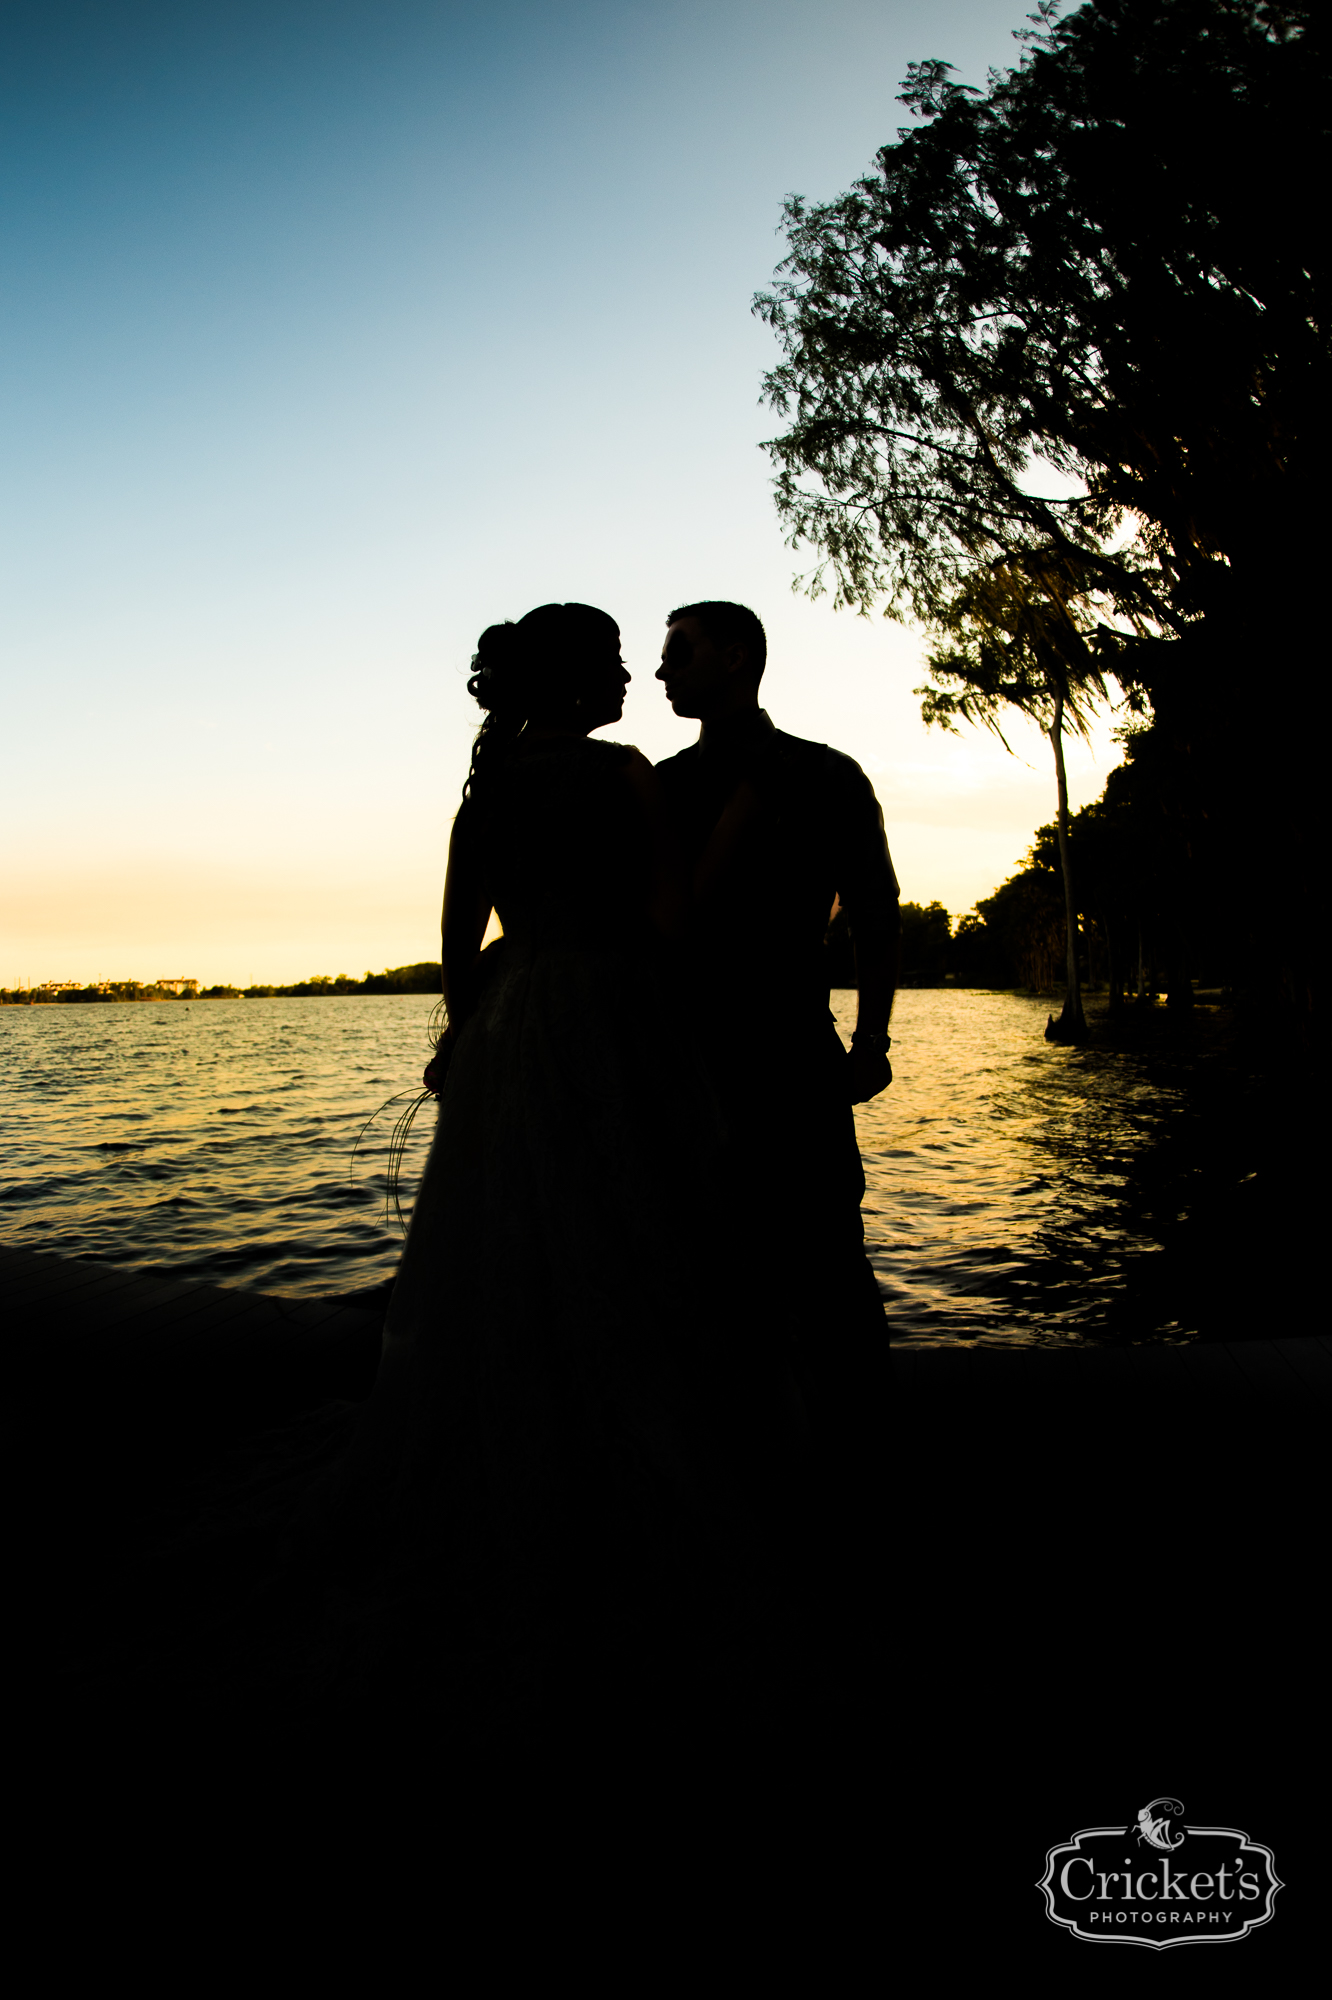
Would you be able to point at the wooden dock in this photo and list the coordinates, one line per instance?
(1091, 1574)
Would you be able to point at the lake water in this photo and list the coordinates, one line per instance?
(1016, 1191)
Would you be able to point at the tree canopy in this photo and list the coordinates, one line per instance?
(1055, 381)
(1077, 320)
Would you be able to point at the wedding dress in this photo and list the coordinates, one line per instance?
(542, 1401)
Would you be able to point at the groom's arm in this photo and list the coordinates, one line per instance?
(876, 985)
(871, 900)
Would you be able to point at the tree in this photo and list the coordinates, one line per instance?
(1074, 327)
(1025, 917)
(1100, 269)
(1015, 643)
(926, 934)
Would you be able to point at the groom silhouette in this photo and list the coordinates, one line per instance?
(774, 829)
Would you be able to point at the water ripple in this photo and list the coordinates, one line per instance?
(1019, 1190)
(1015, 1190)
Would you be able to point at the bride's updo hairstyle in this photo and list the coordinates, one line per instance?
(536, 667)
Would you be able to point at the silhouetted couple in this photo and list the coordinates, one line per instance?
(634, 1307)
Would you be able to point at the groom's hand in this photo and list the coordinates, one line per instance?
(870, 1073)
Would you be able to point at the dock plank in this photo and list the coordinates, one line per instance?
(57, 1278)
(311, 1313)
(16, 1257)
(1310, 1363)
(109, 1309)
(1215, 1372)
(198, 1305)
(148, 1313)
(1268, 1370)
(1109, 1364)
(126, 1309)
(1160, 1370)
(996, 1373)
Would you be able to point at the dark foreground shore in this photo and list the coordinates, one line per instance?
(1082, 1580)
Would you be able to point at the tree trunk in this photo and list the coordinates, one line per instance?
(1179, 987)
(1114, 971)
(1071, 1025)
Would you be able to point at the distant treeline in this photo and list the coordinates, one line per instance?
(423, 978)
(1155, 908)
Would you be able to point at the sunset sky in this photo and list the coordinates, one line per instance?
(334, 331)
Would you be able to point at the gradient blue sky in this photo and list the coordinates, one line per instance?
(333, 333)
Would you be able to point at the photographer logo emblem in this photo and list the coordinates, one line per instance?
(1158, 1882)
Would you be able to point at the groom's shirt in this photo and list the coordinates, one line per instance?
(818, 836)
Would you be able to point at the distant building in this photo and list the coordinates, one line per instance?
(186, 987)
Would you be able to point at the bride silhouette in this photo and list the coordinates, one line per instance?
(542, 1406)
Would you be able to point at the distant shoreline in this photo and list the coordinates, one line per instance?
(421, 978)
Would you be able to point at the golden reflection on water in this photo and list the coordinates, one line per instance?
(1015, 1190)
(214, 1139)
(1003, 1200)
